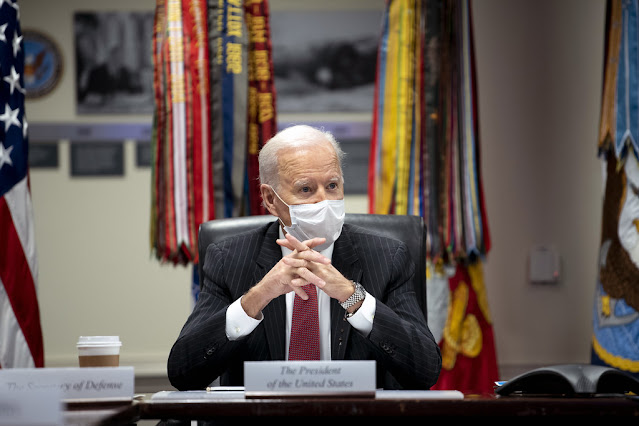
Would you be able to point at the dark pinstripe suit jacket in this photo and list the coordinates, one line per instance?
(406, 353)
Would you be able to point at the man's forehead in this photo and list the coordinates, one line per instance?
(305, 163)
(309, 155)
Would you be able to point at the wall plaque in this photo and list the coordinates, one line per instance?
(43, 155)
(97, 159)
(143, 154)
(42, 64)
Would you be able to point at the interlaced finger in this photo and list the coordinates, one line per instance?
(296, 262)
(297, 244)
(307, 277)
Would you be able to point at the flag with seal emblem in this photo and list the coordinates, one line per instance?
(615, 316)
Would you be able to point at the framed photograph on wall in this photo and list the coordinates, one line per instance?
(325, 60)
(114, 68)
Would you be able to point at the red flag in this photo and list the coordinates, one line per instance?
(20, 332)
(469, 360)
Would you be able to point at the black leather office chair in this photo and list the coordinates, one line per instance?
(409, 229)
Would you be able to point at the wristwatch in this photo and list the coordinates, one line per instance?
(359, 294)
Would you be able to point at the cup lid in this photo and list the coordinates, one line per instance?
(99, 341)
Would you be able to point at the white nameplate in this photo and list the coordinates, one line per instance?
(72, 383)
(34, 408)
(304, 378)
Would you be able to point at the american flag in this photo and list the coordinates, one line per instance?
(20, 331)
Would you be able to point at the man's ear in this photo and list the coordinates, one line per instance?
(268, 198)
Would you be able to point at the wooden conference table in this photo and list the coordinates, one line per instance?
(187, 406)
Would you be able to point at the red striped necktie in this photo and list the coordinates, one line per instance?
(304, 343)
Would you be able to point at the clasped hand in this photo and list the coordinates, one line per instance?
(301, 267)
(307, 266)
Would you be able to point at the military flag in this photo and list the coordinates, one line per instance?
(425, 160)
(615, 339)
(214, 109)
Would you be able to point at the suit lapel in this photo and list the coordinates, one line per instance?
(346, 261)
(275, 312)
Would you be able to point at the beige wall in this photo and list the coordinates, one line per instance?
(539, 73)
(539, 65)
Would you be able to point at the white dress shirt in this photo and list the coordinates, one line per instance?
(239, 324)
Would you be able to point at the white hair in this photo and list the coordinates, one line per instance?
(292, 137)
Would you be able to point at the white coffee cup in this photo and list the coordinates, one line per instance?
(99, 351)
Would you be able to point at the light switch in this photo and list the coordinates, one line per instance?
(543, 265)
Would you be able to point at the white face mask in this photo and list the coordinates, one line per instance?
(319, 220)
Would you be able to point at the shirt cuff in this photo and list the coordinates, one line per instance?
(238, 323)
(362, 319)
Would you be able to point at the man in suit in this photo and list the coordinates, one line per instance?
(363, 282)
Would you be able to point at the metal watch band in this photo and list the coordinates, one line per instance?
(355, 297)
